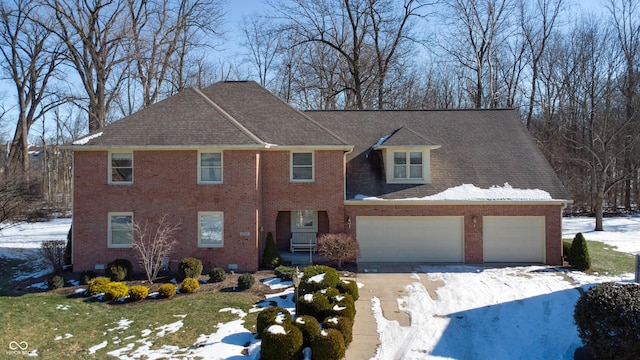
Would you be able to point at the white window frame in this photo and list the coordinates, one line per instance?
(110, 243)
(291, 166)
(390, 166)
(200, 181)
(111, 168)
(210, 213)
(297, 227)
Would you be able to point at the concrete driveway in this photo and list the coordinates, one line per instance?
(387, 282)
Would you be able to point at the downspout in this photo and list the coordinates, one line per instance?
(344, 174)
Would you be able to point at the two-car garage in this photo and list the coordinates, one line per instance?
(441, 239)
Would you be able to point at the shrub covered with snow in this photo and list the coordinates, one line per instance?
(281, 342)
(98, 285)
(138, 292)
(342, 324)
(116, 290)
(271, 316)
(329, 345)
(119, 270)
(349, 287)
(316, 305)
(167, 290)
(246, 281)
(318, 277)
(189, 268)
(608, 319)
(342, 305)
(189, 285)
(217, 275)
(309, 327)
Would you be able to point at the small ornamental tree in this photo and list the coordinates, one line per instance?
(152, 243)
(579, 253)
(52, 252)
(338, 247)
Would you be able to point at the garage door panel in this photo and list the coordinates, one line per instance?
(514, 238)
(410, 238)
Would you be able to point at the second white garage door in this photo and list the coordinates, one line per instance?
(410, 238)
(513, 239)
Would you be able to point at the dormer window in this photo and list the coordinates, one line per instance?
(407, 165)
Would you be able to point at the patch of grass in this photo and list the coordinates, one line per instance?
(40, 318)
(605, 260)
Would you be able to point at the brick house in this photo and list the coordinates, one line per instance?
(231, 162)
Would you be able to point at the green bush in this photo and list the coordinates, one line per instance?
(316, 305)
(579, 254)
(608, 320)
(246, 281)
(312, 280)
(342, 324)
(566, 248)
(189, 285)
(217, 275)
(281, 342)
(138, 292)
(55, 282)
(85, 276)
(271, 316)
(119, 270)
(349, 287)
(271, 256)
(167, 290)
(329, 345)
(98, 285)
(285, 273)
(309, 327)
(342, 305)
(116, 290)
(189, 268)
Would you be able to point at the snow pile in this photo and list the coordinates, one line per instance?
(276, 330)
(86, 139)
(468, 192)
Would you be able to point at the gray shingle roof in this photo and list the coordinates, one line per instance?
(479, 147)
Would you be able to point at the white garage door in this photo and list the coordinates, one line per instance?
(513, 239)
(410, 238)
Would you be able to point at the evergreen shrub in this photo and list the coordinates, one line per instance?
(282, 342)
(119, 270)
(329, 345)
(189, 268)
(217, 275)
(167, 290)
(246, 281)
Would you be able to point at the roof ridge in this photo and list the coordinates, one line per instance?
(235, 122)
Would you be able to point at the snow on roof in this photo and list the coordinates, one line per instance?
(86, 139)
(471, 192)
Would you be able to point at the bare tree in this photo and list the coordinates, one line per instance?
(338, 247)
(153, 243)
(263, 43)
(31, 59)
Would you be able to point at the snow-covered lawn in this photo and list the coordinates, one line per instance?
(479, 313)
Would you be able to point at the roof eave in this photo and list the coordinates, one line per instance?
(405, 202)
(273, 147)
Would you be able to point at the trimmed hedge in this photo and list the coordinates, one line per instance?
(349, 287)
(217, 275)
(316, 305)
(282, 342)
(138, 292)
(116, 290)
(269, 316)
(608, 320)
(119, 270)
(313, 280)
(342, 324)
(167, 290)
(309, 327)
(189, 285)
(342, 305)
(329, 345)
(189, 268)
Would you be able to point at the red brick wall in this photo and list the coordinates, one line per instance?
(473, 232)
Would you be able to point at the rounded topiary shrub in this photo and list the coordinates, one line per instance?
(309, 327)
(316, 305)
(85, 276)
(119, 270)
(271, 316)
(579, 253)
(318, 277)
(281, 342)
(342, 324)
(329, 345)
(245, 281)
(167, 290)
(189, 285)
(116, 290)
(189, 268)
(98, 285)
(55, 282)
(217, 275)
(271, 256)
(138, 292)
(608, 320)
(285, 273)
(342, 305)
(349, 287)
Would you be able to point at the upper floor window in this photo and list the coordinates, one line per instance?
(120, 233)
(407, 165)
(211, 229)
(121, 168)
(302, 166)
(210, 167)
